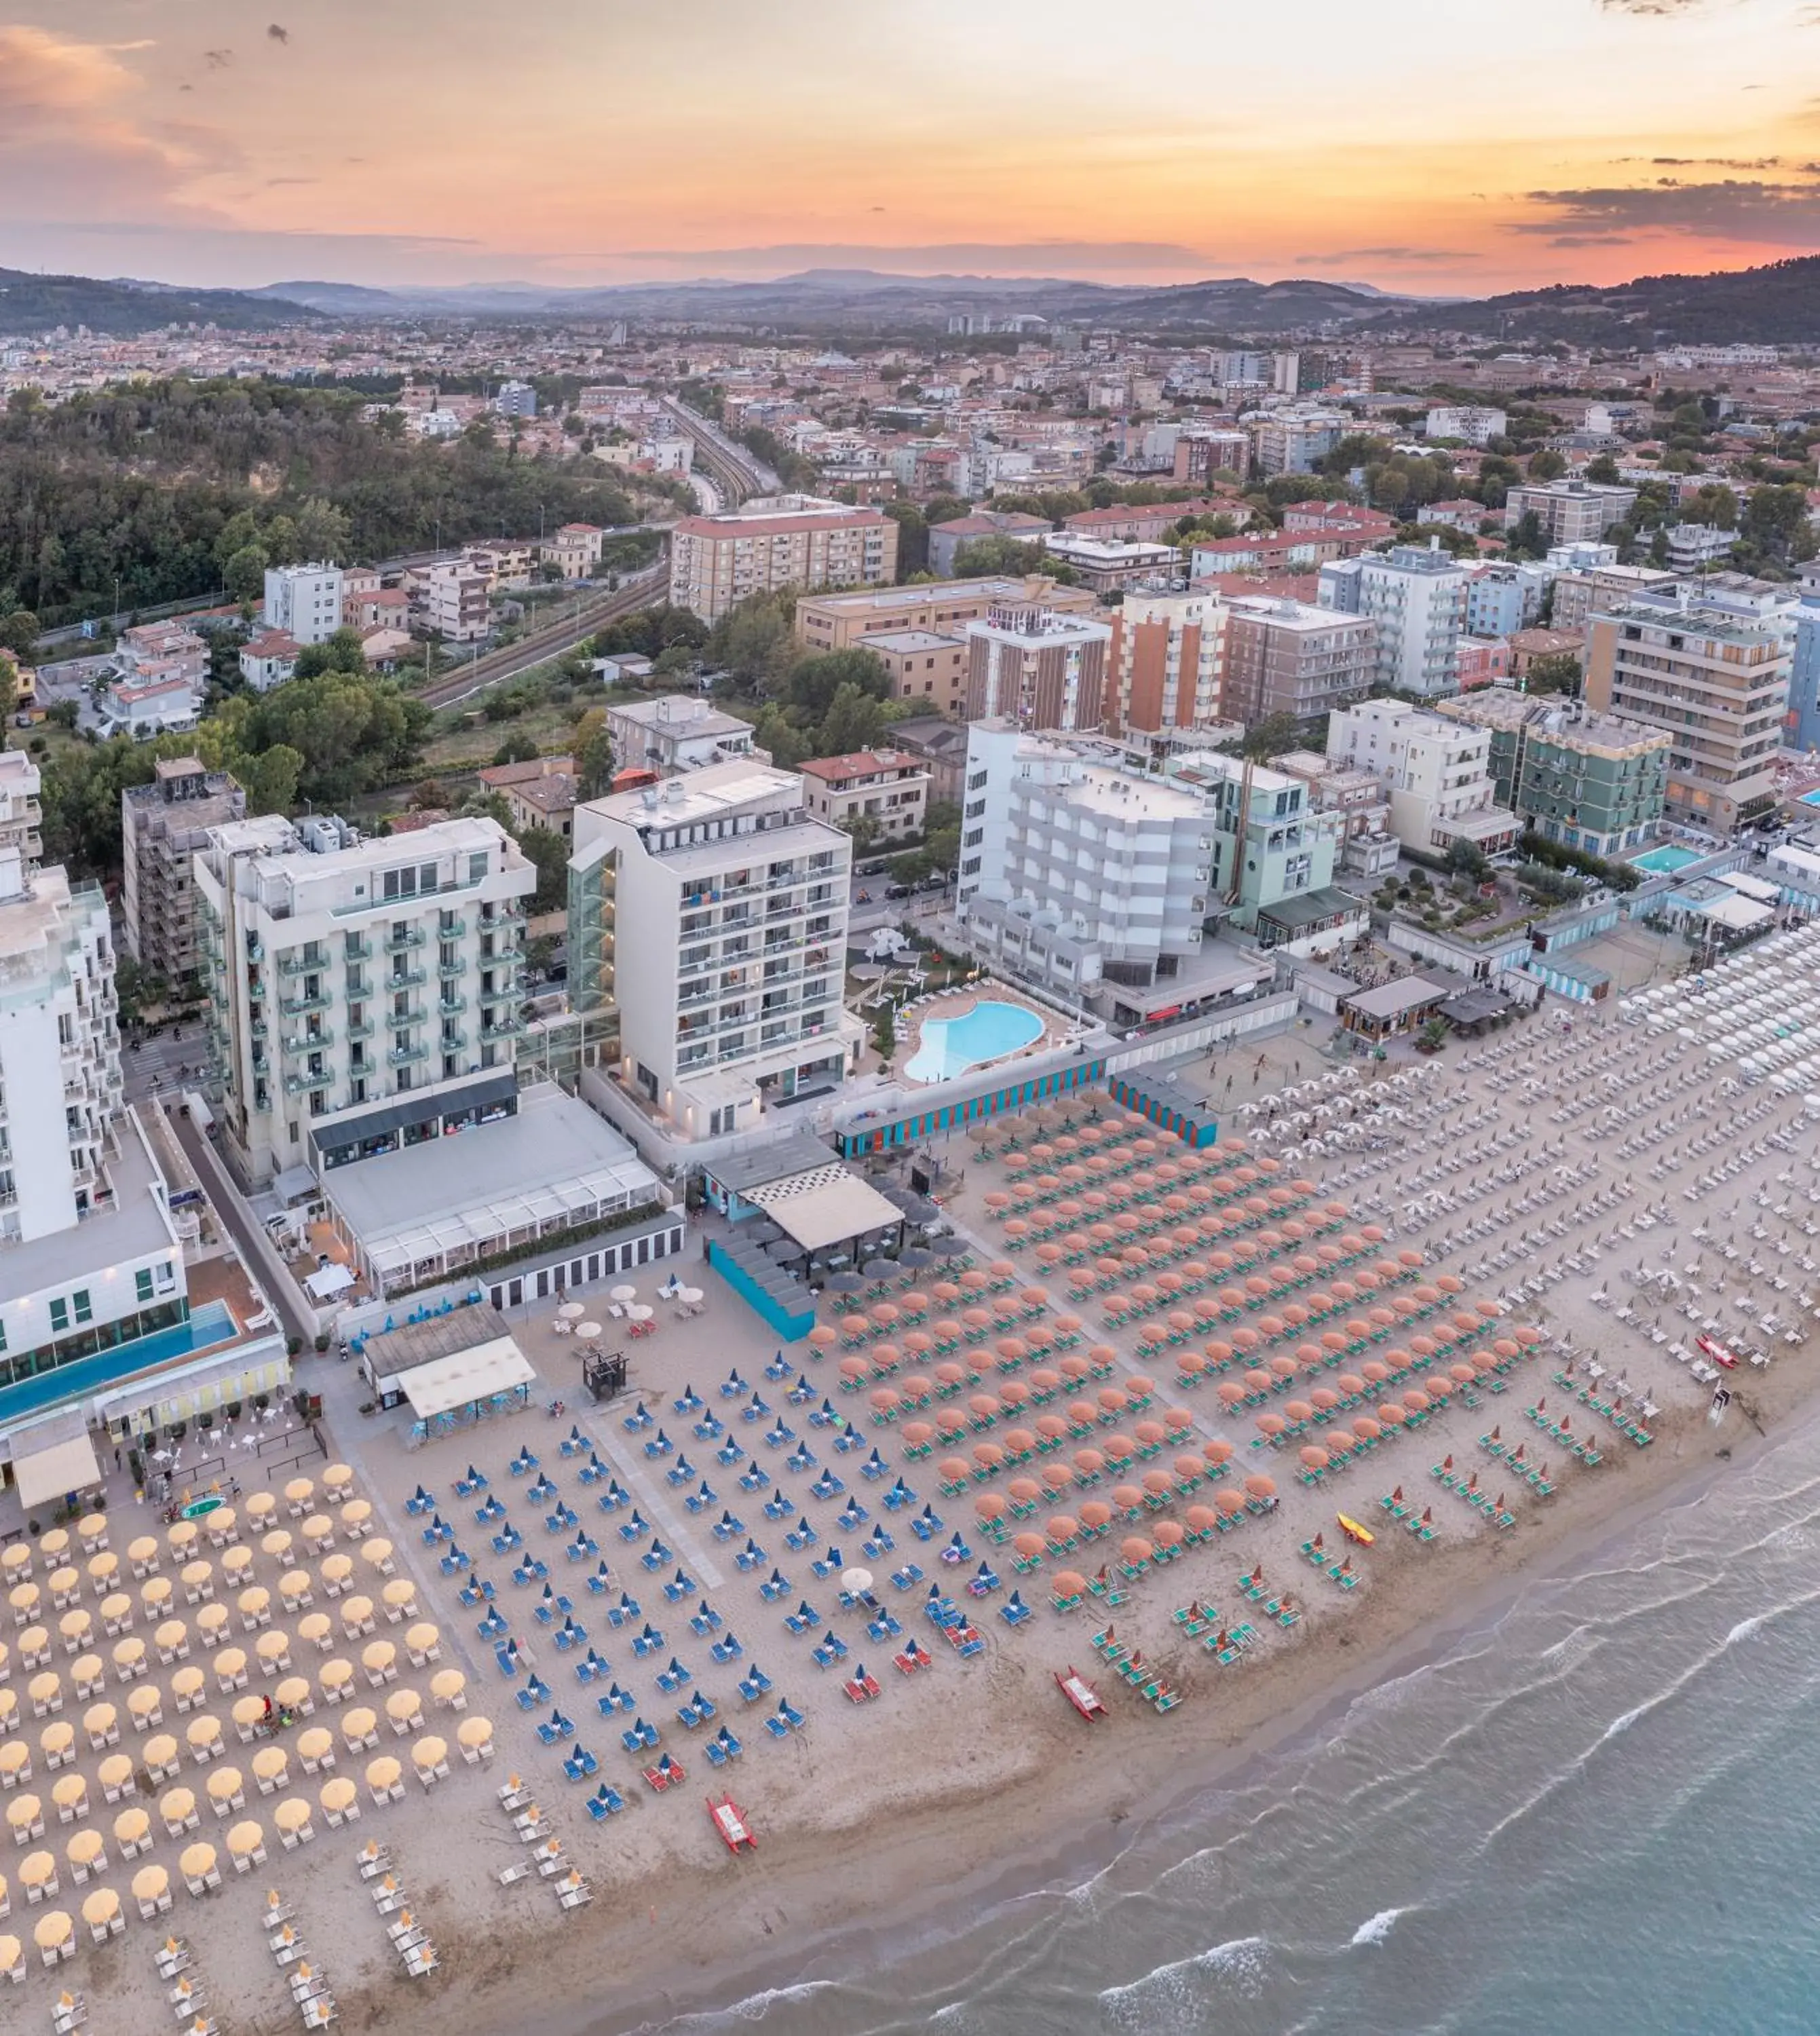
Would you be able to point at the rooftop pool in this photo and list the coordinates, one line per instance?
(1665, 861)
(949, 1046)
(212, 1322)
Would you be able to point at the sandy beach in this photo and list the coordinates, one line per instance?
(972, 1778)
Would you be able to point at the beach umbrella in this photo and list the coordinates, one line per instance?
(1218, 1451)
(1127, 1498)
(1095, 1514)
(1069, 1583)
(1315, 1459)
(1229, 1502)
(1061, 1527)
(1134, 1549)
(1260, 1487)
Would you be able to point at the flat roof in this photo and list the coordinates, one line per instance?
(906, 641)
(137, 1225)
(790, 1156)
(1307, 908)
(395, 1351)
(445, 1383)
(49, 1473)
(553, 1160)
(1391, 1000)
(827, 1205)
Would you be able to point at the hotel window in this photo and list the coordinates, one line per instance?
(59, 1315)
(142, 1284)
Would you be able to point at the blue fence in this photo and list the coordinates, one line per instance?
(1165, 1113)
(917, 1124)
(790, 1326)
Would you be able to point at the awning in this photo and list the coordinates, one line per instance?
(827, 1206)
(51, 1474)
(445, 1383)
(329, 1280)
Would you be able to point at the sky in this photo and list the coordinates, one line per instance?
(1437, 146)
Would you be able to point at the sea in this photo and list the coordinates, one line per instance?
(1595, 1813)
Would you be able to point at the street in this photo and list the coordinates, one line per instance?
(269, 1271)
(156, 1066)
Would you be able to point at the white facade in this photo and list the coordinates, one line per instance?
(351, 978)
(60, 1082)
(1692, 545)
(726, 942)
(675, 732)
(1437, 771)
(304, 601)
(1472, 422)
(20, 814)
(453, 602)
(1111, 862)
(1417, 596)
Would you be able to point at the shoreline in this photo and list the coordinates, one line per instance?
(1140, 1804)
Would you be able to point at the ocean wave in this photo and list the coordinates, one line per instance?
(755, 2007)
(1745, 1629)
(1378, 1927)
(1144, 2003)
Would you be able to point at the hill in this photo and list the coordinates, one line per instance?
(1778, 304)
(33, 303)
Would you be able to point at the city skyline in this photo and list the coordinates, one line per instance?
(1416, 148)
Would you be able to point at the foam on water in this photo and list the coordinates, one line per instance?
(1376, 1928)
(1167, 1990)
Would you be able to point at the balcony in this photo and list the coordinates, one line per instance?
(360, 1028)
(451, 926)
(413, 1014)
(303, 1084)
(404, 1057)
(406, 979)
(452, 1043)
(450, 970)
(357, 946)
(451, 1007)
(305, 1042)
(298, 1007)
(408, 936)
(502, 1028)
(300, 961)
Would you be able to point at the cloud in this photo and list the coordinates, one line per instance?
(72, 142)
(1780, 214)
(1040, 257)
(1339, 257)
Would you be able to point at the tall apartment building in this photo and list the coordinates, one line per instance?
(1200, 454)
(1165, 662)
(1288, 656)
(1437, 772)
(365, 995)
(1588, 781)
(162, 826)
(20, 814)
(839, 621)
(1571, 512)
(1037, 668)
(1582, 594)
(712, 909)
(1085, 861)
(453, 601)
(1473, 423)
(775, 541)
(60, 1082)
(1717, 684)
(1504, 597)
(1295, 441)
(304, 601)
(1416, 594)
(1802, 724)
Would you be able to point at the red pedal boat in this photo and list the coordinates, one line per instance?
(729, 1820)
(1080, 1693)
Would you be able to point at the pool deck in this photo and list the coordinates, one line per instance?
(957, 1003)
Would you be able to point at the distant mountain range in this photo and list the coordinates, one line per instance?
(32, 303)
(1779, 303)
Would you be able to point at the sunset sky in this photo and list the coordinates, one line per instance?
(1456, 146)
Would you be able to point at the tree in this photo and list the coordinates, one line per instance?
(1604, 471)
(1559, 672)
(1272, 736)
(816, 683)
(854, 720)
(19, 632)
(341, 652)
(515, 749)
(270, 779)
(884, 1036)
(243, 574)
(999, 557)
(1527, 539)
(1546, 465)
(864, 829)
(913, 538)
(550, 854)
(9, 694)
(593, 749)
(323, 531)
(1466, 858)
(1776, 523)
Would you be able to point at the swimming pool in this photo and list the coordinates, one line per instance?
(212, 1322)
(949, 1046)
(1811, 798)
(1665, 861)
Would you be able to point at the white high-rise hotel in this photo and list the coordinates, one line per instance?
(366, 994)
